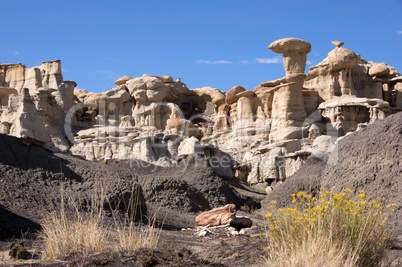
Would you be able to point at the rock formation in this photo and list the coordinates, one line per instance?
(288, 111)
(35, 102)
(259, 136)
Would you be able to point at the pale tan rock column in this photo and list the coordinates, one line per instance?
(288, 112)
(398, 95)
(378, 72)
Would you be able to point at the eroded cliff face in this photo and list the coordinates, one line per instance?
(34, 102)
(17, 76)
(258, 136)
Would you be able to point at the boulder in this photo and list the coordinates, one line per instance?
(290, 44)
(213, 95)
(231, 96)
(218, 216)
(143, 83)
(123, 80)
(342, 58)
(379, 70)
(165, 79)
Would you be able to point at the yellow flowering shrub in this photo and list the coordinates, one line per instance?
(352, 227)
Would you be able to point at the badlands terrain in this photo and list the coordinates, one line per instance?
(184, 151)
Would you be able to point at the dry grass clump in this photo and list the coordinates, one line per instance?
(328, 230)
(87, 233)
(131, 237)
(63, 236)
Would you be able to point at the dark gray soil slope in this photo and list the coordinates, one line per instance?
(180, 192)
(371, 160)
(32, 179)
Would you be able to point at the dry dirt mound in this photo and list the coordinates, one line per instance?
(32, 179)
(371, 160)
(368, 160)
(180, 192)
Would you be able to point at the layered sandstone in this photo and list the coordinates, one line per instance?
(259, 136)
(35, 102)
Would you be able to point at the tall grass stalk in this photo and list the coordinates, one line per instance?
(131, 236)
(63, 235)
(86, 233)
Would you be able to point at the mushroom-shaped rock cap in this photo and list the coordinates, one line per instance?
(290, 44)
(231, 95)
(342, 58)
(122, 80)
(379, 70)
(46, 90)
(211, 94)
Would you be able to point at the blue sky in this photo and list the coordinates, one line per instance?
(218, 43)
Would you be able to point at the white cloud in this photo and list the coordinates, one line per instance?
(15, 52)
(309, 62)
(399, 33)
(243, 61)
(202, 61)
(108, 74)
(269, 60)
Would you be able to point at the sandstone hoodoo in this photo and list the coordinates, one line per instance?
(259, 136)
(288, 112)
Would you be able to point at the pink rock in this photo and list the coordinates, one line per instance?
(217, 216)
